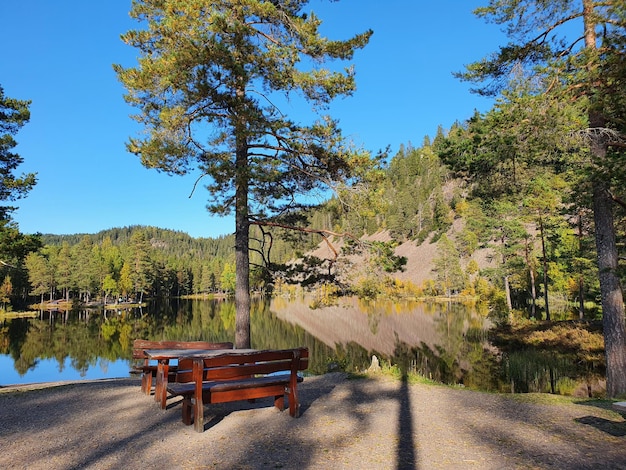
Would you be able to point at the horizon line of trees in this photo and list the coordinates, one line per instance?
(538, 249)
(129, 263)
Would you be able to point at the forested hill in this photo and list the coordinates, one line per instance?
(428, 230)
(412, 207)
(170, 242)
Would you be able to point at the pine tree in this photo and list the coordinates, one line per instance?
(447, 266)
(140, 264)
(587, 68)
(208, 85)
(40, 275)
(14, 246)
(13, 115)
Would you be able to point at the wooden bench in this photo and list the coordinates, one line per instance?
(238, 376)
(148, 371)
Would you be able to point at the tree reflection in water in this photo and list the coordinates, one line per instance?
(445, 342)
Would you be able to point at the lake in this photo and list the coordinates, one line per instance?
(444, 341)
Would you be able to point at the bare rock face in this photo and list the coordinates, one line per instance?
(420, 258)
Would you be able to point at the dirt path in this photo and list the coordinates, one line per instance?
(344, 424)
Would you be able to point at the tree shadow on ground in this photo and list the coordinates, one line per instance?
(344, 424)
(614, 428)
(405, 452)
(539, 435)
(352, 409)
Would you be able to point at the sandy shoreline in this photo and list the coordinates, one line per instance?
(361, 424)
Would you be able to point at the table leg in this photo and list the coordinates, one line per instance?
(198, 406)
(160, 387)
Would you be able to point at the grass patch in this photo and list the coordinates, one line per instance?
(544, 398)
(582, 338)
(394, 371)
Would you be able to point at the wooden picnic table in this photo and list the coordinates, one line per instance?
(148, 371)
(238, 375)
(164, 356)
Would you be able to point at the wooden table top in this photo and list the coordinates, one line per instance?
(159, 354)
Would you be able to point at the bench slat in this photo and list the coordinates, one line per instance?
(139, 345)
(237, 384)
(220, 368)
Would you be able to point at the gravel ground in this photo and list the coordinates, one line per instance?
(373, 423)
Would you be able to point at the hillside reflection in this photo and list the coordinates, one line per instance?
(445, 342)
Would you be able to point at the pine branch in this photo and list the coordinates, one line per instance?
(325, 234)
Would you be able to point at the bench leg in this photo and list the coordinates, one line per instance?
(187, 410)
(146, 382)
(198, 404)
(279, 402)
(294, 406)
(160, 388)
(198, 418)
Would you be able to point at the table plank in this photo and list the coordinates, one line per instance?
(159, 354)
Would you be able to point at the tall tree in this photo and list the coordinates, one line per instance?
(508, 234)
(228, 279)
(447, 266)
(63, 269)
(141, 263)
(542, 200)
(109, 286)
(82, 268)
(588, 67)
(13, 115)
(6, 289)
(125, 283)
(14, 246)
(210, 77)
(40, 274)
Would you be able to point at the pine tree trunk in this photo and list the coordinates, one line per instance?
(610, 289)
(611, 292)
(507, 291)
(533, 289)
(581, 281)
(545, 267)
(533, 292)
(581, 298)
(242, 238)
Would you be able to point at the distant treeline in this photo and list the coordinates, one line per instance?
(414, 197)
(135, 261)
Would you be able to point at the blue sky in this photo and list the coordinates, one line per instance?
(59, 54)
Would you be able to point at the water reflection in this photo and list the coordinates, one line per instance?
(437, 340)
(445, 342)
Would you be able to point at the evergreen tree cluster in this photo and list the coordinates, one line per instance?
(420, 197)
(128, 262)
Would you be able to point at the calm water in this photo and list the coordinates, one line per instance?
(446, 342)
